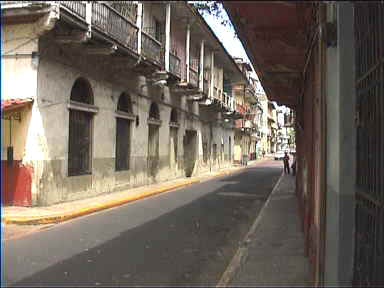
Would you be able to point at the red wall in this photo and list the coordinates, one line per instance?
(16, 184)
(309, 149)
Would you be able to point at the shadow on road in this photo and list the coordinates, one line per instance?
(192, 244)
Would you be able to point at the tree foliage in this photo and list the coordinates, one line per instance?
(213, 8)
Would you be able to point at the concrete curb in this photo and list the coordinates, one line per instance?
(242, 252)
(49, 219)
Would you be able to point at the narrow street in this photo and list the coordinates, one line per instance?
(187, 236)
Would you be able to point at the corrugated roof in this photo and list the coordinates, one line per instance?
(11, 104)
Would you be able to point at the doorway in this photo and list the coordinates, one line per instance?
(153, 140)
(189, 143)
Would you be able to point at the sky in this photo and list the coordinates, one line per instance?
(226, 35)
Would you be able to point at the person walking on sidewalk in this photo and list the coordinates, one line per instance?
(286, 163)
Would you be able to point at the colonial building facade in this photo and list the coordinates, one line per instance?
(106, 96)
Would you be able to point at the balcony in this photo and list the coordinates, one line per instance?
(78, 8)
(207, 82)
(104, 19)
(241, 109)
(206, 87)
(193, 77)
(194, 72)
(174, 65)
(215, 93)
(110, 22)
(150, 46)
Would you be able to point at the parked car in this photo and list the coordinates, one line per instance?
(279, 155)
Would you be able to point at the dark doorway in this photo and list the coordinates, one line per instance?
(123, 134)
(153, 140)
(189, 142)
(173, 139)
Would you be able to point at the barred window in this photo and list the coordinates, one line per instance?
(80, 130)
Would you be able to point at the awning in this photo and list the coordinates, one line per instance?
(276, 36)
(13, 104)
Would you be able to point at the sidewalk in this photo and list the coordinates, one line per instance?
(273, 251)
(68, 210)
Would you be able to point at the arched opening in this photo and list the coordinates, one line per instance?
(123, 134)
(80, 130)
(190, 150)
(82, 91)
(154, 112)
(174, 116)
(173, 139)
(153, 141)
(124, 104)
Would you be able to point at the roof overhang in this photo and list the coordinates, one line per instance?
(276, 36)
(9, 105)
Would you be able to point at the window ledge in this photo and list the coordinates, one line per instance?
(153, 121)
(125, 115)
(74, 105)
(174, 124)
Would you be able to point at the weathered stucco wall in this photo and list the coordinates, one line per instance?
(48, 136)
(19, 74)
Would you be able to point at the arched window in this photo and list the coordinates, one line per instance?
(123, 134)
(154, 112)
(125, 103)
(173, 116)
(82, 91)
(80, 130)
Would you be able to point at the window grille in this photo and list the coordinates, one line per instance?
(369, 235)
(79, 160)
(80, 131)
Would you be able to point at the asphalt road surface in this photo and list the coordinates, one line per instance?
(184, 237)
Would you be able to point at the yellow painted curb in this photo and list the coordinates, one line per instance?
(35, 220)
(98, 207)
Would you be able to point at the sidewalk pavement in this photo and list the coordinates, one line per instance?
(272, 253)
(68, 210)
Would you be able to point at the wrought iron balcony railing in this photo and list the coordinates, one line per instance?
(150, 47)
(76, 7)
(206, 87)
(193, 77)
(194, 64)
(194, 71)
(174, 65)
(104, 18)
(110, 22)
(126, 8)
